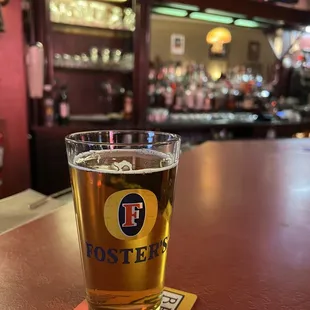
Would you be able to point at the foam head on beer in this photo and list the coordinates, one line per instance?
(123, 202)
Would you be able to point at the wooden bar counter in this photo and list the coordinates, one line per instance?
(240, 237)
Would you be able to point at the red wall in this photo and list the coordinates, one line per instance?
(13, 100)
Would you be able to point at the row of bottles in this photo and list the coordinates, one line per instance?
(191, 88)
(115, 99)
(180, 98)
(56, 106)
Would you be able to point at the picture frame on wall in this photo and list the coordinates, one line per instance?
(254, 50)
(177, 44)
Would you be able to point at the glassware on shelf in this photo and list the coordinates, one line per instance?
(127, 61)
(67, 60)
(105, 55)
(92, 14)
(129, 21)
(94, 55)
(77, 61)
(115, 18)
(54, 12)
(78, 12)
(62, 12)
(100, 14)
(85, 60)
(107, 59)
(57, 59)
(116, 55)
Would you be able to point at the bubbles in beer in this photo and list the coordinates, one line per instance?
(128, 161)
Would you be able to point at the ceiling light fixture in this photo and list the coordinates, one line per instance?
(268, 21)
(183, 6)
(247, 23)
(224, 13)
(170, 11)
(211, 18)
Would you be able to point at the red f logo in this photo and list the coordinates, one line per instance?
(131, 213)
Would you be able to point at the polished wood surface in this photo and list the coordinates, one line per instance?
(240, 236)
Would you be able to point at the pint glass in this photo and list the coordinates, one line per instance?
(123, 190)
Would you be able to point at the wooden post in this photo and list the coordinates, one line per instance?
(142, 58)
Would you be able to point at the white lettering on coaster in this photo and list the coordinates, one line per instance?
(171, 301)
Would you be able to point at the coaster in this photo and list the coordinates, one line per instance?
(172, 300)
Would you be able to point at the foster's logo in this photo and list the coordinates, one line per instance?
(130, 214)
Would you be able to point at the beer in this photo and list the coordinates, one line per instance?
(123, 203)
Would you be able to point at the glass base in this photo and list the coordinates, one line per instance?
(124, 300)
(124, 307)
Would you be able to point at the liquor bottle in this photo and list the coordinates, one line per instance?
(169, 95)
(203, 78)
(199, 98)
(159, 96)
(63, 106)
(178, 103)
(128, 104)
(48, 106)
(190, 97)
(151, 95)
(106, 90)
(152, 87)
(118, 98)
(207, 103)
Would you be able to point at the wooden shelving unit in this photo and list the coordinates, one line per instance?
(91, 30)
(94, 68)
(83, 90)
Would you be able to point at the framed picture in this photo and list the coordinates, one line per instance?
(253, 51)
(177, 44)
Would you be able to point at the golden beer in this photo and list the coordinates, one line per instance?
(123, 203)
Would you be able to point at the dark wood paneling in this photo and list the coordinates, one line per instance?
(77, 44)
(83, 85)
(49, 162)
(142, 56)
(84, 92)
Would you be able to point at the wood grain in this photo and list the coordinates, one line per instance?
(240, 236)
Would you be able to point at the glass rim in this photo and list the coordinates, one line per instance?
(174, 138)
